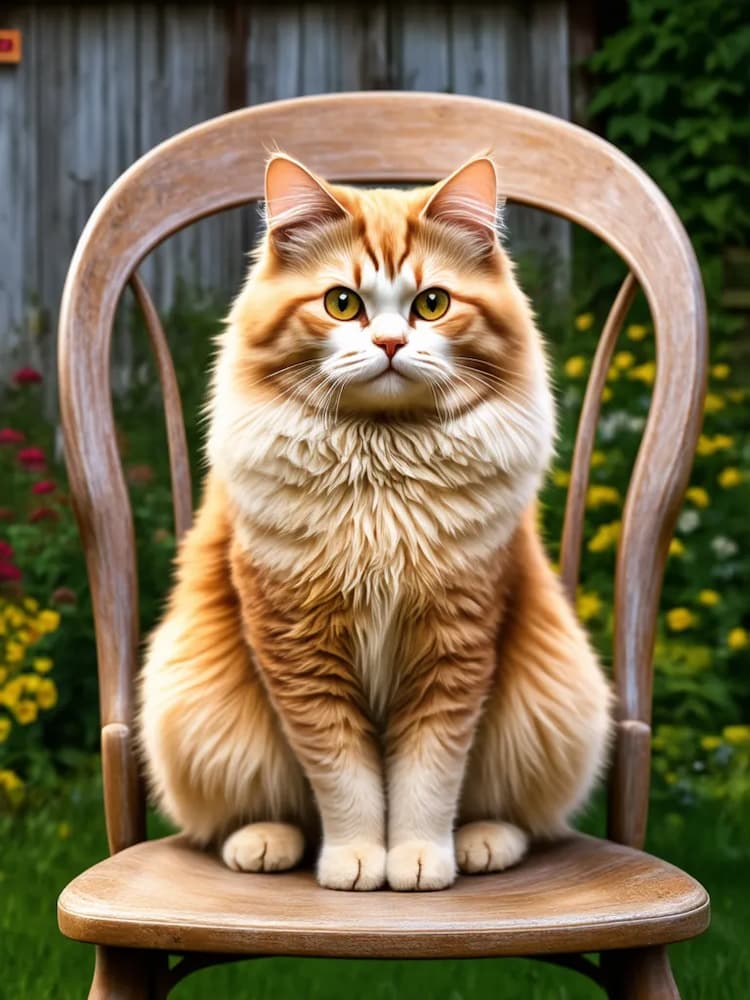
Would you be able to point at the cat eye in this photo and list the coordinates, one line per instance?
(432, 303)
(343, 304)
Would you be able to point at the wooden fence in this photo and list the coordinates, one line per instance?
(100, 84)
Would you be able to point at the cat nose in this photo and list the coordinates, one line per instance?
(391, 344)
(388, 333)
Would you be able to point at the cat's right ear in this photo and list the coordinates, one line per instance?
(296, 202)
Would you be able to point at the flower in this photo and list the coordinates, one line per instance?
(32, 458)
(63, 595)
(710, 445)
(730, 477)
(6, 550)
(140, 475)
(42, 664)
(46, 693)
(623, 360)
(710, 742)
(606, 394)
(688, 521)
(9, 436)
(713, 403)
(698, 496)
(10, 781)
(644, 373)
(612, 374)
(597, 458)
(724, 547)
(26, 712)
(5, 727)
(588, 605)
(27, 376)
(560, 477)
(709, 597)
(44, 486)
(13, 651)
(598, 496)
(584, 321)
(738, 638)
(679, 619)
(605, 537)
(721, 371)
(9, 572)
(43, 514)
(736, 734)
(676, 548)
(48, 621)
(736, 395)
(64, 830)
(636, 331)
(575, 367)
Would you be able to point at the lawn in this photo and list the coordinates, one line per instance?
(45, 847)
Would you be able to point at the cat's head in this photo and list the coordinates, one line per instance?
(383, 301)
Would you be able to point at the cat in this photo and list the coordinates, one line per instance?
(366, 647)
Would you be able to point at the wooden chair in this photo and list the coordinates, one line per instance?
(150, 900)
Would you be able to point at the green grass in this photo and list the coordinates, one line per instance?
(45, 847)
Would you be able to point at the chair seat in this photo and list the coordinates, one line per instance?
(581, 894)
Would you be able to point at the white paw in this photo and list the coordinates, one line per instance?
(489, 846)
(359, 866)
(263, 847)
(421, 865)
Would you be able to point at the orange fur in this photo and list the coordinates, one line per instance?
(365, 632)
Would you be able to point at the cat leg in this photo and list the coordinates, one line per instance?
(489, 846)
(263, 847)
(304, 653)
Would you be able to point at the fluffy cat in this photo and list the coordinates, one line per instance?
(366, 646)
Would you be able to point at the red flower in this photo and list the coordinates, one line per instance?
(44, 486)
(6, 550)
(139, 475)
(9, 571)
(43, 514)
(9, 436)
(27, 376)
(6, 514)
(63, 595)
(32, 458)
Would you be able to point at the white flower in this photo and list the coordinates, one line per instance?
(724, 547)
(688, 521)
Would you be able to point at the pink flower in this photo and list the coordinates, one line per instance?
(27, 376)
(9, 436)
(6, 550)
(9, 571)
(44, 486)
(43, 514)
(32, 458)
(63, 595)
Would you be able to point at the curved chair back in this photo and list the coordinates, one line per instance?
(371, 138)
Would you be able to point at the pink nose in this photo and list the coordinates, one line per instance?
(389, 344)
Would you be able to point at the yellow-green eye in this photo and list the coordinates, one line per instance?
(432, 303)
(343, 303)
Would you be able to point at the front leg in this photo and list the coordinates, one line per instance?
(304, 656)
(428, 740)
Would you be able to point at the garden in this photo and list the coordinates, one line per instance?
(672, 92)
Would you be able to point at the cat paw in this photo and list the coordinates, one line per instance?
(263, 847)
(489, 846)
(359, 866)
(420, 865)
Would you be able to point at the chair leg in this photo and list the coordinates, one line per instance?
(639, 974)
(124, 974)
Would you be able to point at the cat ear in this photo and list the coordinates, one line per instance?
(468, 199)
(296, 201)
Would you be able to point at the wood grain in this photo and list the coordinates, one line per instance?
(579, 895)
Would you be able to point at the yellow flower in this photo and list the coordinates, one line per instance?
(588, 605)
(5, 727)
(709, 598)
(560, 477)
(710, 742)
(597, 458)
(612, 374)
(14, 617)
(42, 664)
(713, 403)
(737, 734)
(679, 619)
(26, 712)
(644, 373)
(736, 395)
(676, 548)
(721, 371)
(31, 683)
(598, 496)
(46, 694)
(64, 830)
(722, 441)
(11, 693)
(14, 652)
(728, 478)
(10, 781)
(31, 605)
(606, 394)
(3, 675)
(738, 638)
(671, 778)
(48, 621)
(636, 331)
(584, 322)
(698, 496)
(605, 537)
(623, 360)
(705, 445)
(575, 367)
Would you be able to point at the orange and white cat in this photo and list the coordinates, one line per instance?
(366, 647)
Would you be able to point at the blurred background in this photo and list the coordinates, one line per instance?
(85, 89)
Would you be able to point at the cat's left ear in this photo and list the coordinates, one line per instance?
(296, 200)
(468, 199)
